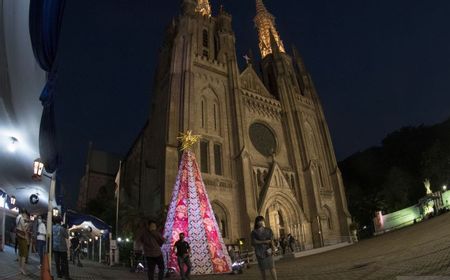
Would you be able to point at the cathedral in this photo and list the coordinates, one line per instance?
(265, 148)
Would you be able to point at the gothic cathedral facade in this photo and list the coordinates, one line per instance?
(265, 148)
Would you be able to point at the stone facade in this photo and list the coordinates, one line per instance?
(266, 149)
(100, 171)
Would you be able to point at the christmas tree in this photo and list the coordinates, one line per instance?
(190, 212)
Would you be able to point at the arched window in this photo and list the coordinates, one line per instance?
(311, 141)
(218, 159)
(203, 113)
(216, 47)
(205, 38)
(215, 116)
(329, 220)
(204, 156)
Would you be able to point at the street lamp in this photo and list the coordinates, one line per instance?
(38, 168)
(55, 212)
(12, 200)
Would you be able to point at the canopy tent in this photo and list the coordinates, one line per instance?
(88, 228)
(78, 221)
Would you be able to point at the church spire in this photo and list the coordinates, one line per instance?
(203, 7)
(265, 23)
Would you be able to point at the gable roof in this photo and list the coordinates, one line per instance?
(275, 179)
(250, 81)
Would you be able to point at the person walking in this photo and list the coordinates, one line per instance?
(60, 236)
(76, 249)
(40, 238)
(183, 250)
(262, 238)
(152, 241)
(21, 239)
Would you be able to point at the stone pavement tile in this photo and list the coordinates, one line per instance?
(9, 267)
(423, 278)
(418, 252)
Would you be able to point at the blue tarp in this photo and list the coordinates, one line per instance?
(45, 21)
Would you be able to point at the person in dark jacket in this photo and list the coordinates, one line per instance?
(152, 241)
(262, 238)
(183, 249)
(60, 236)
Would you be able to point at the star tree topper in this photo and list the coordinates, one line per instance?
(188, 139)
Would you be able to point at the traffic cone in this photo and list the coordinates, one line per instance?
(45, 269)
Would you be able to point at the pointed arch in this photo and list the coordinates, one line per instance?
(328, 216)
(222, 216)
(311, 141)
(212, 110)
(203, 110)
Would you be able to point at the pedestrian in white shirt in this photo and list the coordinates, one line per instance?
(41, 238)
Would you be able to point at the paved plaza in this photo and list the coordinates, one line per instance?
(418, 252)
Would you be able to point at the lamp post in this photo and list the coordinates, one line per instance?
(38, 168)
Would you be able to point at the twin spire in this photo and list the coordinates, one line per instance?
(268, 34)
(269, 39)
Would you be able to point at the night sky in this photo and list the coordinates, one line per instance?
(378, 65)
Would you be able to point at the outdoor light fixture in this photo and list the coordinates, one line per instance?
(2, 201)
(12, 200)
(90, 239)
(444, 188)
(55, 212)
(119, 239)
(12, 147)
(127, 240)
(38, 168)
(96, 238)
(72, 233)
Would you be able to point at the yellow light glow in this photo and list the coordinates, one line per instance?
(265, 23)
(203, 8)
(188, 139)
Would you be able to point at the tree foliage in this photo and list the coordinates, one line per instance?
(390, 177)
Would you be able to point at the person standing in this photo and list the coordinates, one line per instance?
(262, 238)
(183, 250)
(291, 241)
(40, 238)
(283, 244)
(60, 236)
(152, 241)
(21, 237)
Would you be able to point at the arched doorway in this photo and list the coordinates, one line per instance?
(276, 220)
